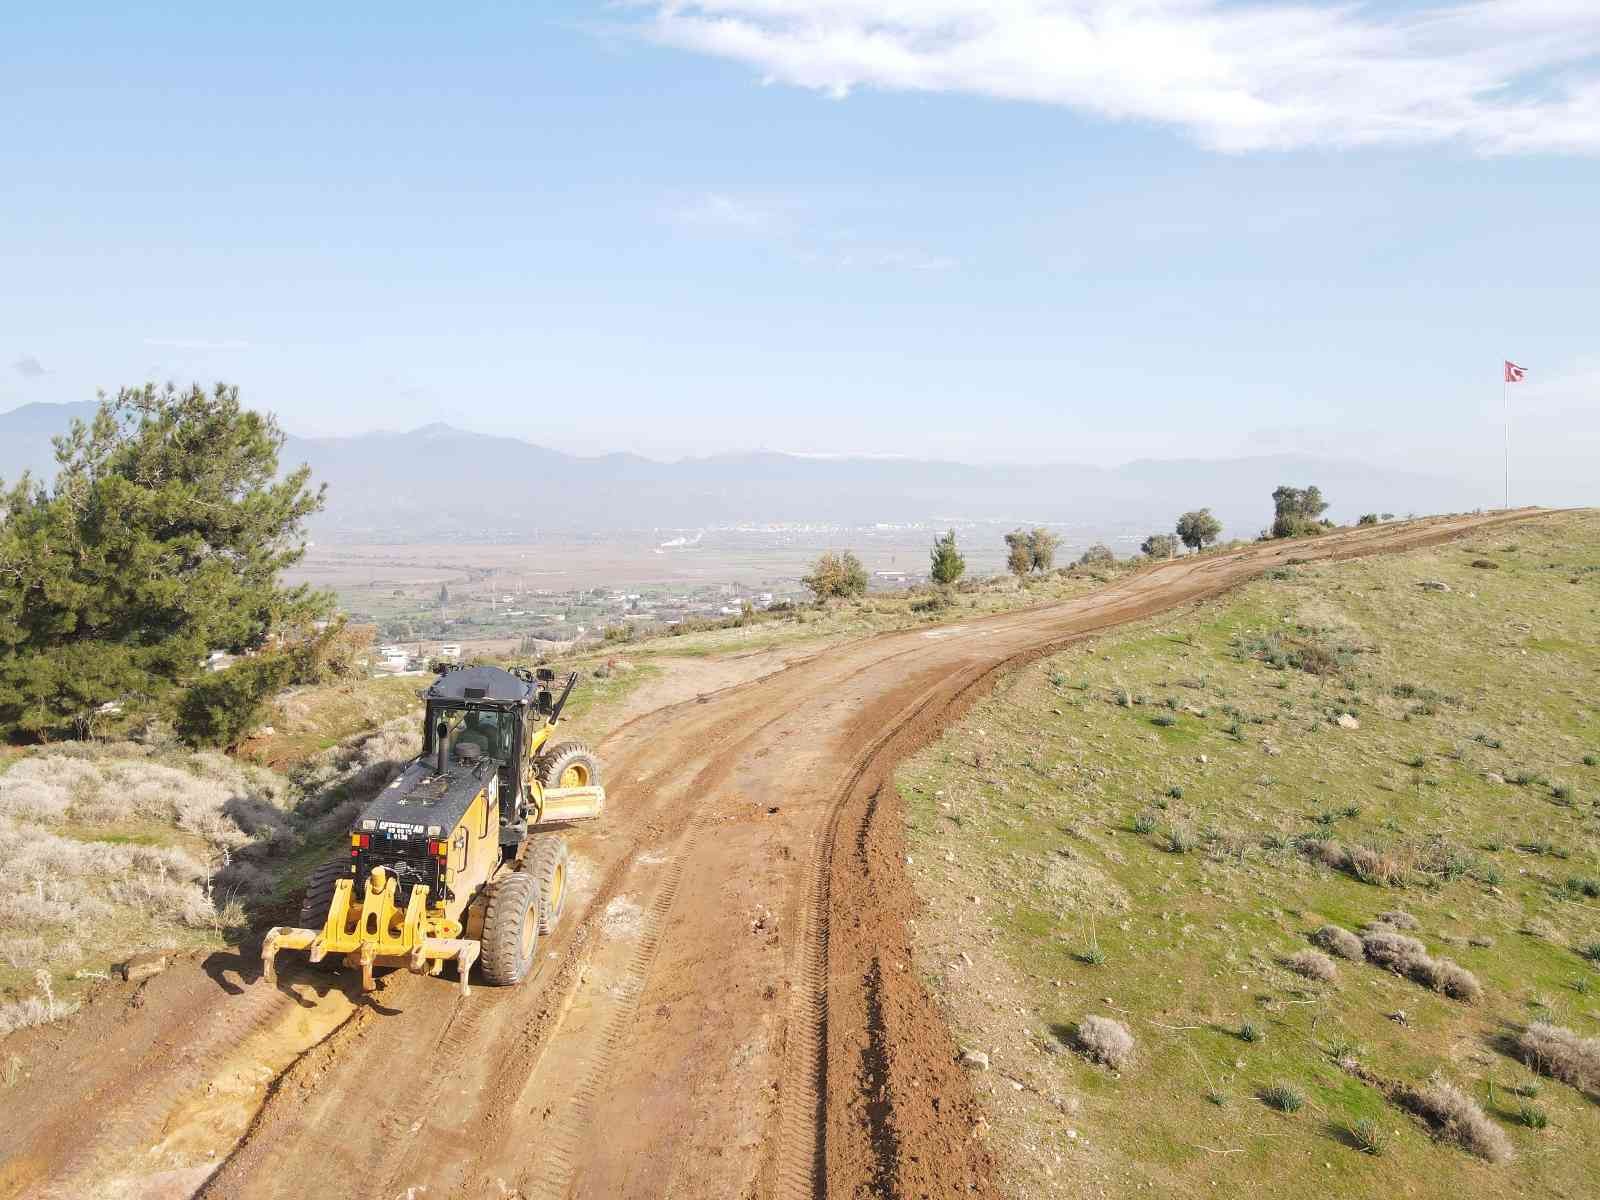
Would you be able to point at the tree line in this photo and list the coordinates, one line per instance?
(1297, 512)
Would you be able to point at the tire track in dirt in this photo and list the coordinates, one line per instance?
(560, 1146)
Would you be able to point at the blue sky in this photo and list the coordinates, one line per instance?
(1083, 230)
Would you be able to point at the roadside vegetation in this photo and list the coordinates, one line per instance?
(1302, 884)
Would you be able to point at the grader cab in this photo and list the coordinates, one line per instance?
(454, 860)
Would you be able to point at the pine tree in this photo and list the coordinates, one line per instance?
(947, 563)
(161, 539)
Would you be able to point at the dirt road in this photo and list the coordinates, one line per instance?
(729, 1011)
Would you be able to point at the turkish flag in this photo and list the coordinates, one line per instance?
(1514, 373)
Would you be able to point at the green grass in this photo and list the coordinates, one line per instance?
(1448, 702)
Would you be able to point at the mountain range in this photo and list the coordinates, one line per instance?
(442, 482)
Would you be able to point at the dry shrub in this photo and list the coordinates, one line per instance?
(1397, 919)
(1393, 951)
(1453, 980)
(1561, 1054)
(1336, 940)
(1105, 1041)
(34, 1010)
(1329, 852)
(210, 796)
(342, 779)
(1406, 956)
(1365, 863)
(1455, 1117)
(1314, 965)
(1374, 866)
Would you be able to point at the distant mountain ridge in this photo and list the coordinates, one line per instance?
(442, 482)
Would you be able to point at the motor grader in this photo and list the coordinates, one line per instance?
(447, 862)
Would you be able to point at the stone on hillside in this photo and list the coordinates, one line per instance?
(973, 1060)
(142, 966)
(1346, 721)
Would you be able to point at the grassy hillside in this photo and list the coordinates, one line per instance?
(1153, 827)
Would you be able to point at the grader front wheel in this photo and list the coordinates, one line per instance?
(569, 765)
(511, 929)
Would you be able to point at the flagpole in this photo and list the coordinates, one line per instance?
(1505, 402)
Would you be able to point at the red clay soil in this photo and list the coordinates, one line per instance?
(729, 1011)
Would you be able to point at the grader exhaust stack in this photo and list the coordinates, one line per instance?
(445, 863)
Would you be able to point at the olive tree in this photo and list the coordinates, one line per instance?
(836, 575)
(1159, 545)
(1198, 529)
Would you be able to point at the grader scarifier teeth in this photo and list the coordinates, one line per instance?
(374, 932)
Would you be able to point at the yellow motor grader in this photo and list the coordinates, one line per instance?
(445, 863)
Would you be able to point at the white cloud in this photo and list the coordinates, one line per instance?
(29, 367)
(715, 210)
(1498, 76)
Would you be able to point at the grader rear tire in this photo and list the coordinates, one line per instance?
(319, 898)
(547, 862)
(511, 929)
(319, 892)
(569, 764)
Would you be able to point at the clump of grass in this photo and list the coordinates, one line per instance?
(1590, 951)
(1093, 956)
(1340, 941)
(1180, 840)
(1590, 760)
(1105, 1041)
(1583, 885)
(1484, 739)
(1284, 1097)
(1144, 822)
(1252, 1033)
(1522, 778)
(1455, 1117)
(1313, 964)
(1556, 1051)
(1164, 720)
(1532, 1116)
(1368, 1136)
(1530, 1089)
(1416, 762)
(1175, 792)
